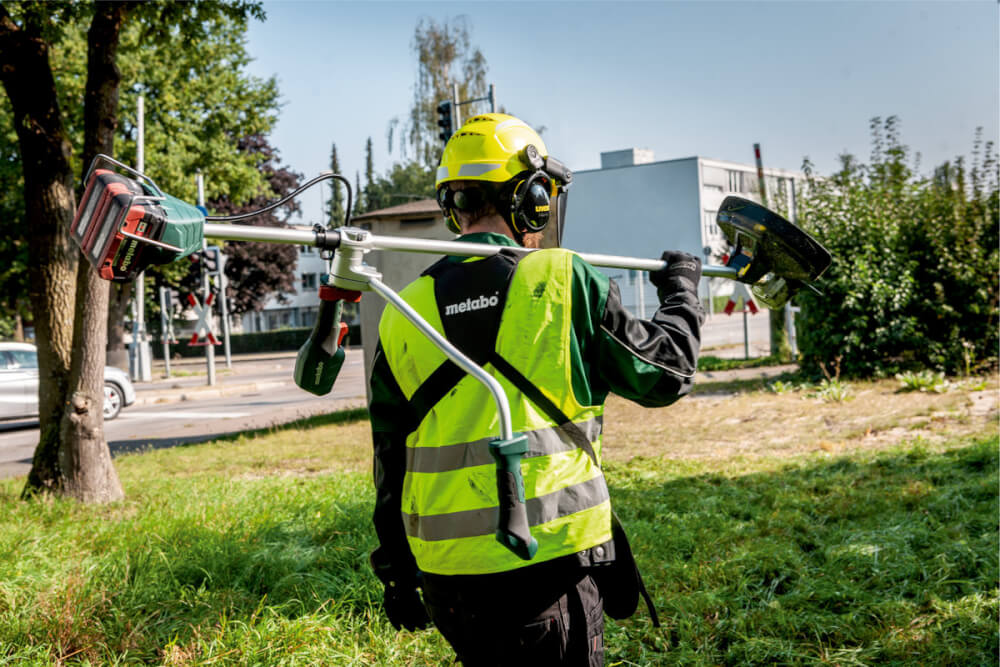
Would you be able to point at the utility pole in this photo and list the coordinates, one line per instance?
(140, 357)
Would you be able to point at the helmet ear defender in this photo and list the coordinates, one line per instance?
(530, 203)
(523, 200)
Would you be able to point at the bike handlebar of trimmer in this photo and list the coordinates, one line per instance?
(329, 239)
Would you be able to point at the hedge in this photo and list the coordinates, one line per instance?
(280, 340)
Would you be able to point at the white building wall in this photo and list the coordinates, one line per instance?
(636, 211)
(301, 308)
(640, 210)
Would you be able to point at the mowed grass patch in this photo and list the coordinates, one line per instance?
(253, 550)
(747, 418)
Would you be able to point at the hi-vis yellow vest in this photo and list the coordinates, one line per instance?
(449, 498)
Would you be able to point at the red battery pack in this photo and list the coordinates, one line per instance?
(115, 253)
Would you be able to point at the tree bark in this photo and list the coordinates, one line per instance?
(69, 302)
(120, 294)
(49, 203)
(780, 347)
(84, 457)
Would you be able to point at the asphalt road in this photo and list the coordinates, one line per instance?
(259, 392)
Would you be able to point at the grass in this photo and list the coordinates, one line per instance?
(868, 537)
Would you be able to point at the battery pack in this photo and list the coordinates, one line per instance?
(125, 223)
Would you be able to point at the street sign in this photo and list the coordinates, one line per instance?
(204, 323)
(741, 293)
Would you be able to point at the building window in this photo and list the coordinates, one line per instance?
(307, 316)
(712, 230)
(308, 281)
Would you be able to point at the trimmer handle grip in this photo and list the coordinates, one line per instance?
(320, 358)
(513, 530)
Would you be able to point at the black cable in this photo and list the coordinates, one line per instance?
(271, 207)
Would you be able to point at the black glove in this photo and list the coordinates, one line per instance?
(404, 608)
(683, 271)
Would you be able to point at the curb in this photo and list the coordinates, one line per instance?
(191, 393)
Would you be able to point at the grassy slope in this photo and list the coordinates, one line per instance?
(254, 550)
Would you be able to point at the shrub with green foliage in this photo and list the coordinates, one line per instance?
(913, 282)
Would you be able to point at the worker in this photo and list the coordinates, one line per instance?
(553, 332)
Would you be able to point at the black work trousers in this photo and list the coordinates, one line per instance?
(542, 615)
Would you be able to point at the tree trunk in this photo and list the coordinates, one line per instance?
(118, 301)
(49, 204)
(84, 457)
(780, 347)
(72, 456)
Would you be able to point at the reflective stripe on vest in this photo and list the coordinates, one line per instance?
(449, 499)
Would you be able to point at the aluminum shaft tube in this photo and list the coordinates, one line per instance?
(434, 247)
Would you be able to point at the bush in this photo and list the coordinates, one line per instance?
(913, 279)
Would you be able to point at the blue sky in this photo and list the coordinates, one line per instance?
(708, 78)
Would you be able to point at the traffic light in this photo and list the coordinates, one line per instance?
(211, 259)
(445, 120)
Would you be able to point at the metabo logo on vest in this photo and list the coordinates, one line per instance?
(470, 304)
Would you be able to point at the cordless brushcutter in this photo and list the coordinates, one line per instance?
(125, 223)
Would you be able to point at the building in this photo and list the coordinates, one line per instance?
(637, 207)
(301, 308)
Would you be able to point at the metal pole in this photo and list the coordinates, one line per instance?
(165, 312)
(141, 352)
(456, 114)
(206, 289)
(746, 333)
(789, 311)
(640, 282)
(224, 308)
(493, 99)
(760, 174)
(434, 247)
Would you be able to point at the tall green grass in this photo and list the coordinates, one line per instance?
(886, 558)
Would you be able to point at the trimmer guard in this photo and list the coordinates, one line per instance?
(770, 253)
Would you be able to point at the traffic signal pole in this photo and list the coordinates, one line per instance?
(224, 307)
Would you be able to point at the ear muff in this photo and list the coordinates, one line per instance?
(530, 203)
(468, 199)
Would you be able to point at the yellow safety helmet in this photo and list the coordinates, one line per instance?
(504, 152)
(488, 147)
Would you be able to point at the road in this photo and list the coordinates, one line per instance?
(259, 392)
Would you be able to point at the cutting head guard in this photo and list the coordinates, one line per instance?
(512, 164)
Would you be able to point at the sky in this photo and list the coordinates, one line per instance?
(802, 78)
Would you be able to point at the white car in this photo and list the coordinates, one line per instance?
(19, 384)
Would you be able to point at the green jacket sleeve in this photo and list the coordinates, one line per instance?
(651, 362)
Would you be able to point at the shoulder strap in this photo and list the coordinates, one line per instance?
(470, 298)
(551, 410)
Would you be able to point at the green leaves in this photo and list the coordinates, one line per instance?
(914, 268)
